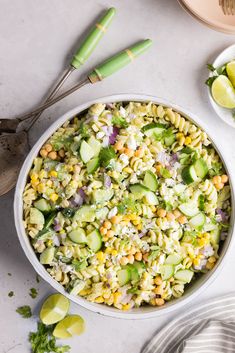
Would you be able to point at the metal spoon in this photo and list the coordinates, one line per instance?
(10, 148)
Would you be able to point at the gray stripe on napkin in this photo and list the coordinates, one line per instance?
(209, 328)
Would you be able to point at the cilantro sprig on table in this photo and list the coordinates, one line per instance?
(42, 341)
(24, 311)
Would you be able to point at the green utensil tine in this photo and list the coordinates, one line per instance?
(92, 39)
(118, 61)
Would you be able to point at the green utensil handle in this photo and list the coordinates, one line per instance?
(92, 39)
(118, 61)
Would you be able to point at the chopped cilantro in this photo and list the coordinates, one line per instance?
(106, 155)
(43, 340)
(119, 121)
(68, 212)
(201, 201)
(153, 254)
(211, 67)
(129, 204)
(11, 294)
(83, 131)
(79, 265)
(33, 293)
(37, 278)
(9, 274)
(210, 80)
(215, 169)
(24, 311)
(165, 173)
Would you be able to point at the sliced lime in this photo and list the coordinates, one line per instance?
(230, 68)
(69, 326)
(54, 309)
(223, 92)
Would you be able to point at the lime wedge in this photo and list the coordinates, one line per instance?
(223, 92)
(54, 309)
(230, 68)
(70, 326)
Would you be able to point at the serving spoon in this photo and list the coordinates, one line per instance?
(14, 146)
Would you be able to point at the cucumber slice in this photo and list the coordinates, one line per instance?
(173, 259)
(124, 276)
(101, 196)
(47, 256)
(78, 236)
(167, 271)
(42, 205)
(201, 168)
(50, 219)
(94, 240)
(140, 266)
(102, 213)
(36, 217)
(198, 220)
(189, 174)
(95, 145)
(184, 275)
(189, 209)
(150, 181)
(138, 190)
(151, 198)
(215, 236)
(153, 129)
(79, 285)
(86, 152)
(93, 165)
(85, 214)
(134, 273)
(169, 140)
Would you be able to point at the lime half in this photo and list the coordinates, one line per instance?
(223, 92)
(230, 68)
(54, 309)
(69, 326)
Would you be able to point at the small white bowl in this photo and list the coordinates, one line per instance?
(225, 114)
(144, 312)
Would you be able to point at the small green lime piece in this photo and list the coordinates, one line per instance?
(54, 309)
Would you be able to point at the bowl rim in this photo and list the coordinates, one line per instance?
(39, 268)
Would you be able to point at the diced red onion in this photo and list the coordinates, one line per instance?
(112, 137)
(82, 193)
(107, 181)
(56, 240)
(56, 221)
(222, 214)
(57, 228)
(141, 235)
(108, 276)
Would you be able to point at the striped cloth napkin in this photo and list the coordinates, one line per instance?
(210, 328)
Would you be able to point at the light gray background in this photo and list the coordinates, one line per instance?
(36, 40)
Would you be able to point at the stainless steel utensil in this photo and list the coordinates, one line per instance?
(9, 148)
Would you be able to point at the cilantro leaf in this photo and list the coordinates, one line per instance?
(211, 67)
(210, 81)
(201, 201)
(33, 293)
(106, 155)
(215, 169)
(119, 121)
(43, 341)
(24, 311)
(83, 131)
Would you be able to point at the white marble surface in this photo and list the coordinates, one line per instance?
(36, 39)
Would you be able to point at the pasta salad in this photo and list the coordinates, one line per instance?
(127, 204)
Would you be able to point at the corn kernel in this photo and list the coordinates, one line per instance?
(49, 183)
(42, 174)
(34, 176)
(139, 227)
(108, 250)
(188, 140)
(41, 187)
(179, 135)
(114, 252)
(54, 197)
(196, 261)
(116, 297)
(100, 256)
(53, 173)
(126, 307)
(159, 301)
(202, 242)
(191, 253)
(127, 170)
(158, 280)
(99, 300)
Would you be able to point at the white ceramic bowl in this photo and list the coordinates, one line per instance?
(225, 114)
(137, 313)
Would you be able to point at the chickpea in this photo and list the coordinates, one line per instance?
(158, 290)
(139, 152)
(145, 257)
(107, 225)
(61, 153)
(158, 168)
(182, 219)
(170, 216)
(110, 233)
(118, 145)
(219, 186)
(224, 178)
(48, 147)
(158, 280)
(124, 261)
(116, 219)
(210, 265)
(216, 179)
(103, 231)
(131, 259)
(52, 155)
(176, 213)
(129, 152)
(138, 256)
(159, 301)
(43, 153)
(161, 213)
